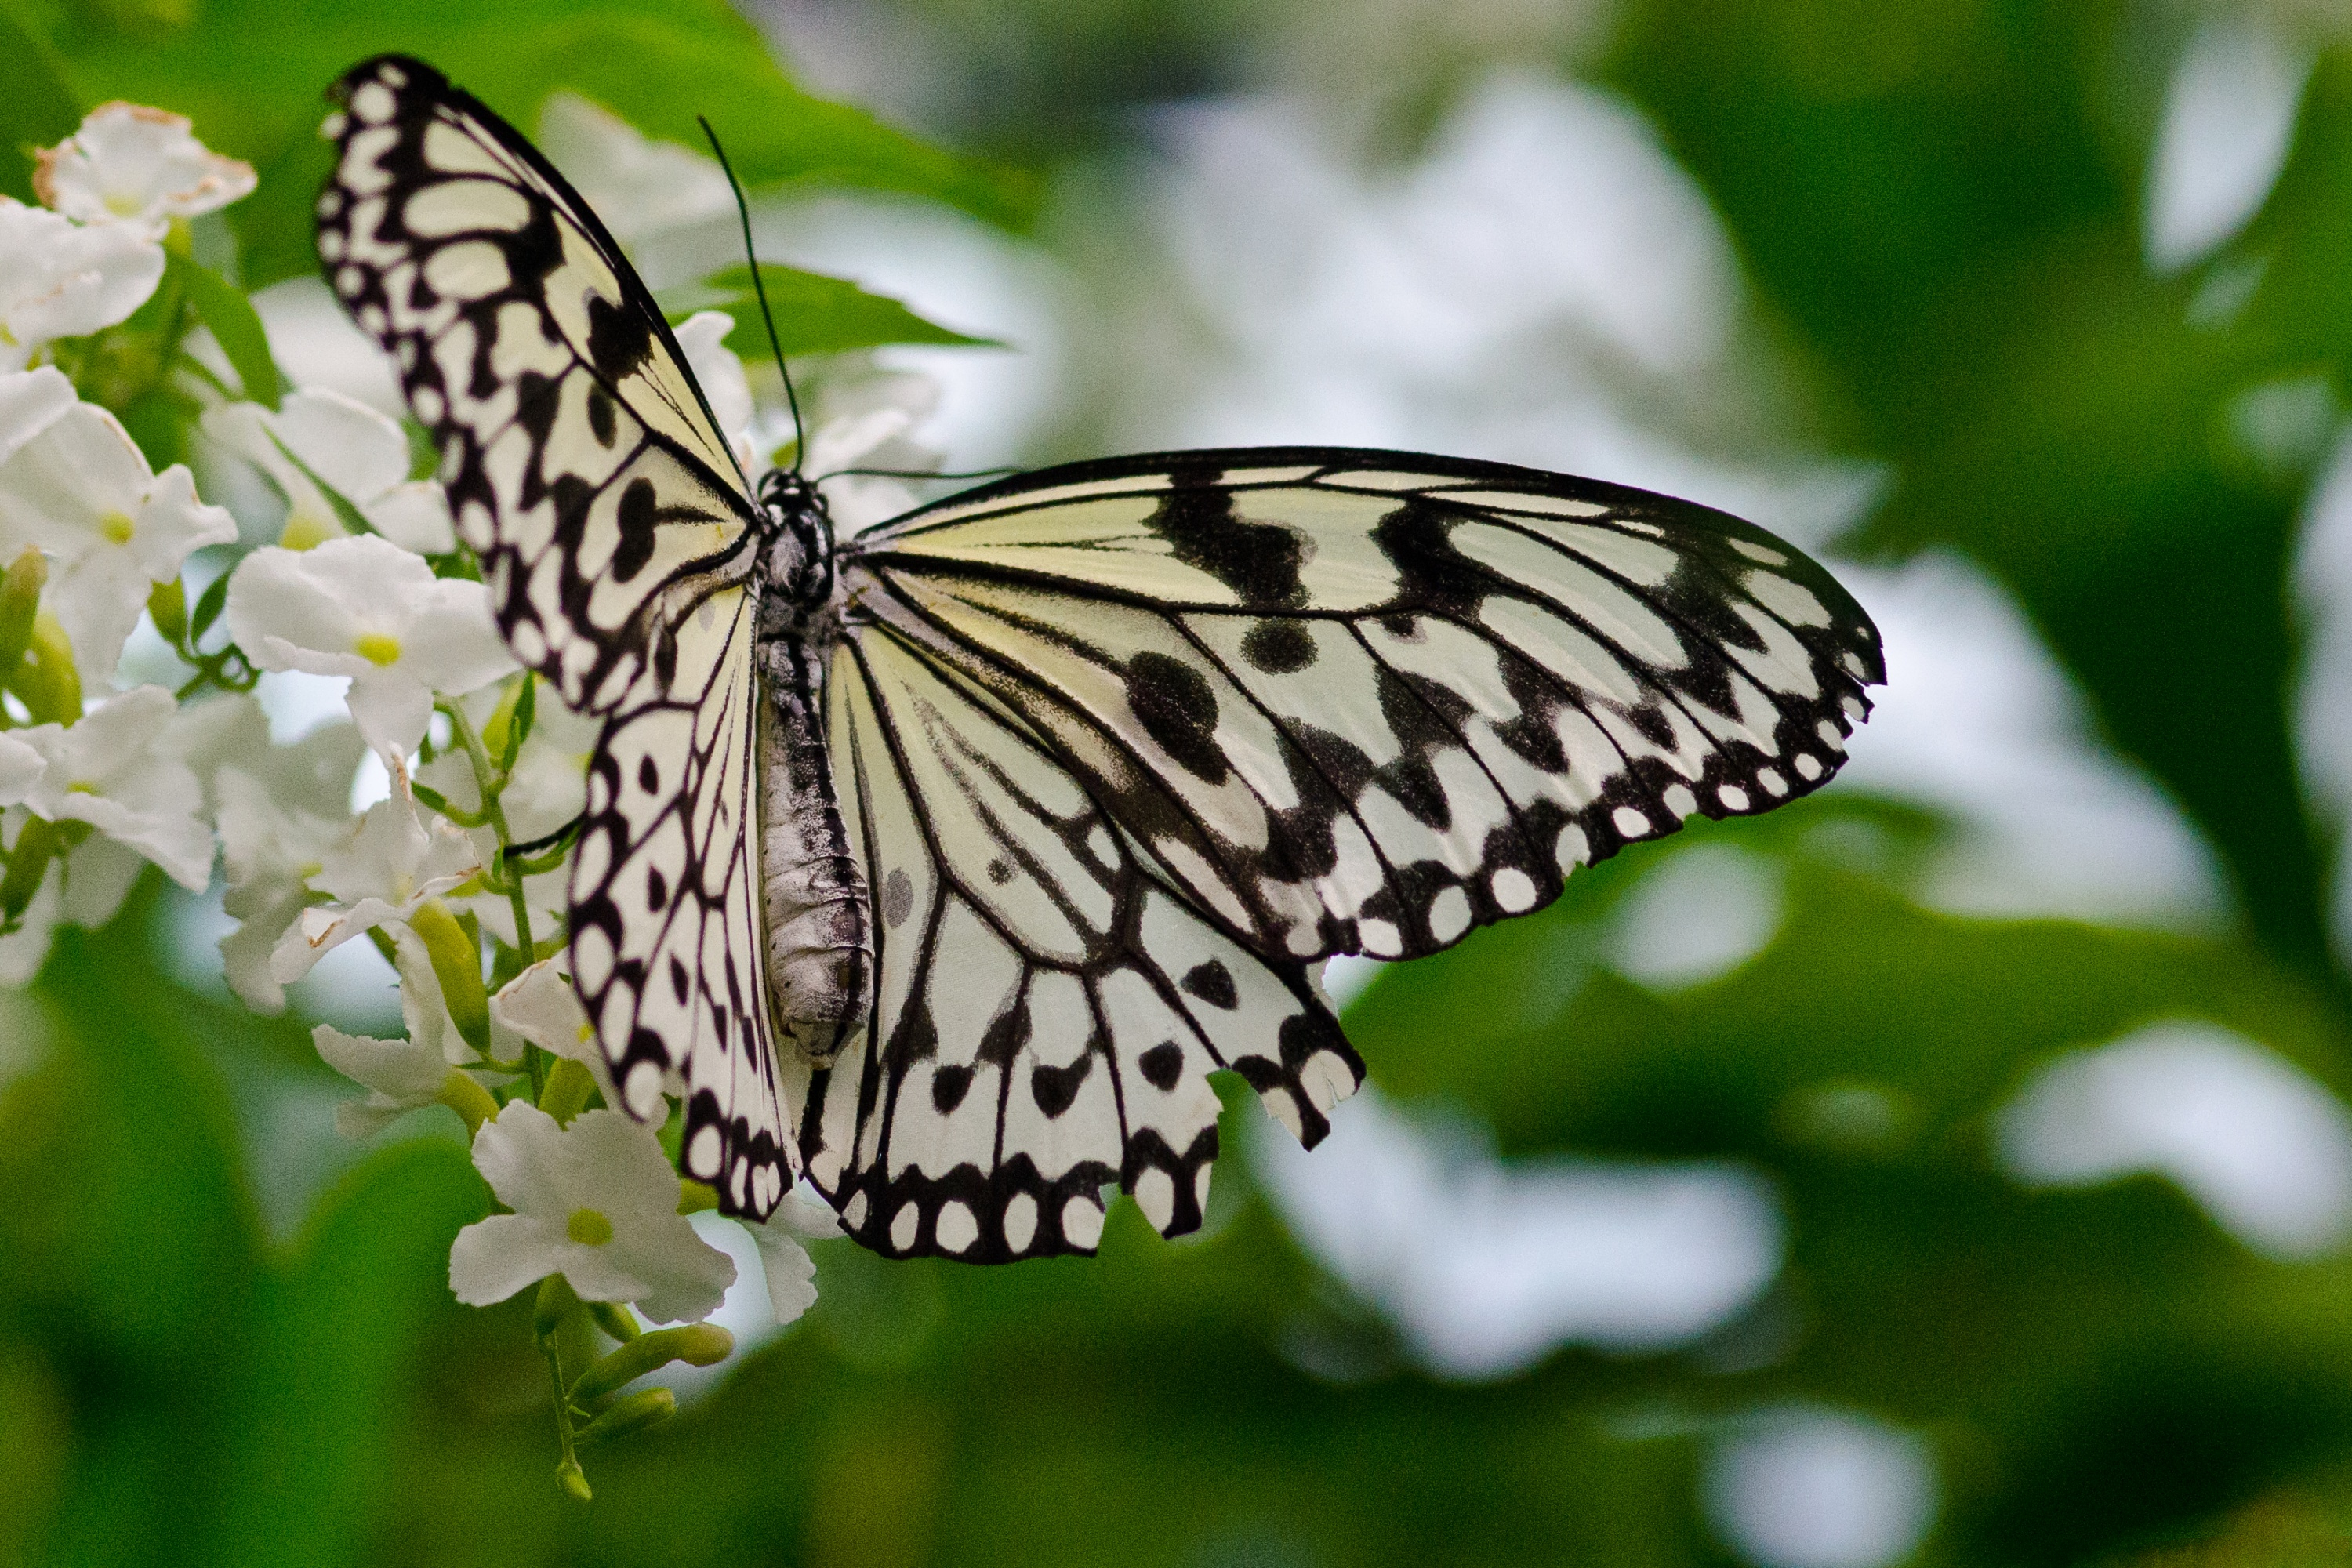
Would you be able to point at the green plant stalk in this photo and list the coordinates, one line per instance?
(491, 785)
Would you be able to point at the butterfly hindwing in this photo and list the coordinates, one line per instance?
(1047, 1010)
(580, 462)
(666, 948)
(1363, 702)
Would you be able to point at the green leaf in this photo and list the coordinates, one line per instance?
(814, 314)
(36, 107)
(252, 81)
(223, 307)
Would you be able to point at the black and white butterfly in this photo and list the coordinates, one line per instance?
(945, 863)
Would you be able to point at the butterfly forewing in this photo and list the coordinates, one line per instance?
(1366, 702)
(580, 462)
(614, 529)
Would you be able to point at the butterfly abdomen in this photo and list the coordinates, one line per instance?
(820, 935)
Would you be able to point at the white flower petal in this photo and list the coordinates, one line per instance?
(113, 770)
(402, 1070)
(791, 1272)
(129, 163)
(60, 279)
(351, 446)
(21, 767)
(414, 516)
(29, 401)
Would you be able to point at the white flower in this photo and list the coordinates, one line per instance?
(367, 608)
(401, 1075)
(129, 163)
(703, 338)
(641, 186)
(864, 421)
(595, 1202)
(31, 402)
(115, 771)
(383, 871)
(80, 491)
(791, 1272)
(320, 436)
(60, 279)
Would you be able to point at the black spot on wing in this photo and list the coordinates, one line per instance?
(1178, 711)
(640, 514)
(1260, 561)
(620, 340)
(1278, 648)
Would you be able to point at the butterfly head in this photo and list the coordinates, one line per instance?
(796, 556)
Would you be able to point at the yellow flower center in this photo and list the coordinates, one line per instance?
(377, 648)
(124, 204)
(117, 528)
(588, 1228)
(303, 531)
(82, 786)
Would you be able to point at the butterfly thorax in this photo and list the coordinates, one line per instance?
(796, 574)
(819, 918)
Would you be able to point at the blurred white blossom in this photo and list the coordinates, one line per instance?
(318, 436)
(79, 491)
(61, 279)
(595, 1202)
(703, 338)
(366, 608)
(115, 771)
(383, 871)
(867, 421)
(129, 162)
(639, 186)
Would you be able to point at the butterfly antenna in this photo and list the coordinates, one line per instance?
(743, 212)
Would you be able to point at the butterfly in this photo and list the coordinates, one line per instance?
(943, 864)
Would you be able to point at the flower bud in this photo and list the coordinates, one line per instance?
(574, 1482)
(167, 604)
(567, 1091)
(640, 1412)
(694, 1197)
(615, 1319)
(469, 1099)
(696, 1344)
(20, 601)
(458, 965)
(47, 680)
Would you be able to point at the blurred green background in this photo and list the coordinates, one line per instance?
(1948, 1169)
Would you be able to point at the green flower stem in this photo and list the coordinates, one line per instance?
(556, 1302)
(490, 782)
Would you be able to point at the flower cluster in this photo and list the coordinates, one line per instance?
(144, 632)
